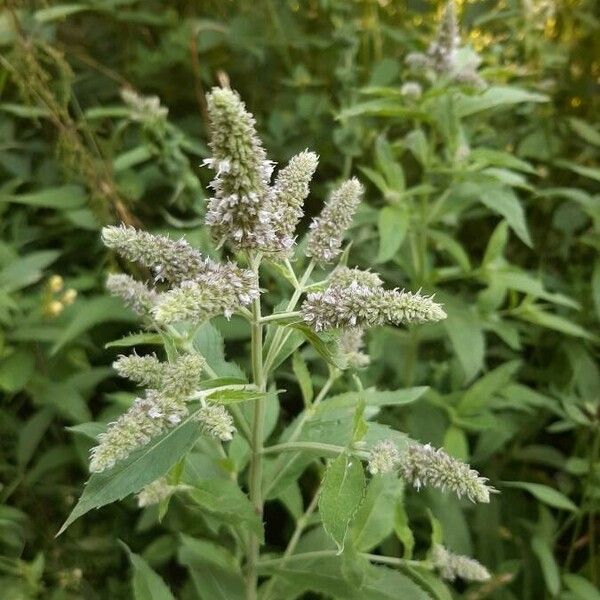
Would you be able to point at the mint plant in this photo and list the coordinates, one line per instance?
(195, 402)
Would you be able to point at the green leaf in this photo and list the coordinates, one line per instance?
(585, 131)
(548, 563)
(59, 12)
(342, 492)
(234, 396)
(402, 529)
(66, 197)
(132, 157)
(26, 270)
(504, 202)
(588, 172)
(90, 313)
(303, 376)
(496, 244)
(456, 444)
(392, 225)
(214, 571)
(140, 468)
(536, 315)
(375, 518)
(135, 339)
(325, 344)
(16, 370)
(493, 97)
(147, 584)
(544, 494)
(391, 169)
(581, 587)
(596, 286)
(223, 498)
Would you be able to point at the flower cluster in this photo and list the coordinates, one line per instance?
(216, 421)
(452, 566)
(155, 492)
(384, 457)
(178, 378)
(219, 292)
(361, 306)
(135, 294)
(144, 108)
(148, 417)
(344, 277)
(328, 229)
(442, 56)
(290, 191)
(423, 465)
(350, 346)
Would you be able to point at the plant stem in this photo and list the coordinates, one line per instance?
(376, 558)
(300, 526)
(282, 316)
(255, 469)
(295, 446)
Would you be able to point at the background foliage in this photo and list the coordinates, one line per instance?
(488, 199)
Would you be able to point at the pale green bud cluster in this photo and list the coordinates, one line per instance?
(328, 229)
(135, 294)
(146, 419)
(178, 378)
(344, 277)
(290, 191)
(155, 492)
(384, 458)
(452, 566)
(216, 421)
(411, 90)
(171, 260)
(144, 108)
(361, 306)
(423, 465)
(350, 346)
(219, 293)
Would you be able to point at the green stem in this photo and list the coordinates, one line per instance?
(255, 469)
(301, 524)
(282, 316)
(295, 446)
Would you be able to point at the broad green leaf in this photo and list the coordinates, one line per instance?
(303, 376)
(31, 433)
(61, 11)
(26, 270)
(548, 563)
(375, 518)
(66, 197)
(16, 370)
(588, 172)
(132, 157)
(234, 396)
(359, 424)
(342, 493)
(402, 529)
(140, 468)
(214, 571)
(208, 341)
(456, 444)
(545, 494)
(536, 315)
(89, 430)
(377, 398)
(147, 584)
(392, 225)
(496, 244)
(384, 107)
(325, 344)
(493, 97)
(86, 314)
(384, 157)
(482, 391)
(448, 244)
(223, 498)
(581, 587)
(585, 131)
(504, 202)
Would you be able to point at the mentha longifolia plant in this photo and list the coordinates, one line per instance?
(193, 403)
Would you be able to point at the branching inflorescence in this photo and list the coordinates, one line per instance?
(254, 217)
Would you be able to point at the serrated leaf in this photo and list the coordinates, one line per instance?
(342, 492)
(140, 468)
(545, 494)
(504, 202)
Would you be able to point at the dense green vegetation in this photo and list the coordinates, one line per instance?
(482, 187)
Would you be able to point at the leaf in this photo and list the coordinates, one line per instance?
(596, 286)
(89, 430)
(456, 444)
(403, 530)
(384, 157)
(16, 370)
(59, 12)
(493, 97)
(548, 563)
(588, 172)
(496, 244)
(375, 518)
(482, 391)
(581, 587)
(140, 468)
(147, 584)
(384, 107)
(342, 492)
(504, 202)
(66, 197)
(325, 344)
(214, 571)
(26, 270)
(31, 433)
(90, 313)
(208, 341)
(392, 225)
(303, 376)
(135, 339)
(132, 157)
(223, 497)
(234, 396)
(544, 494)
(585, 131)
(536, 315)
